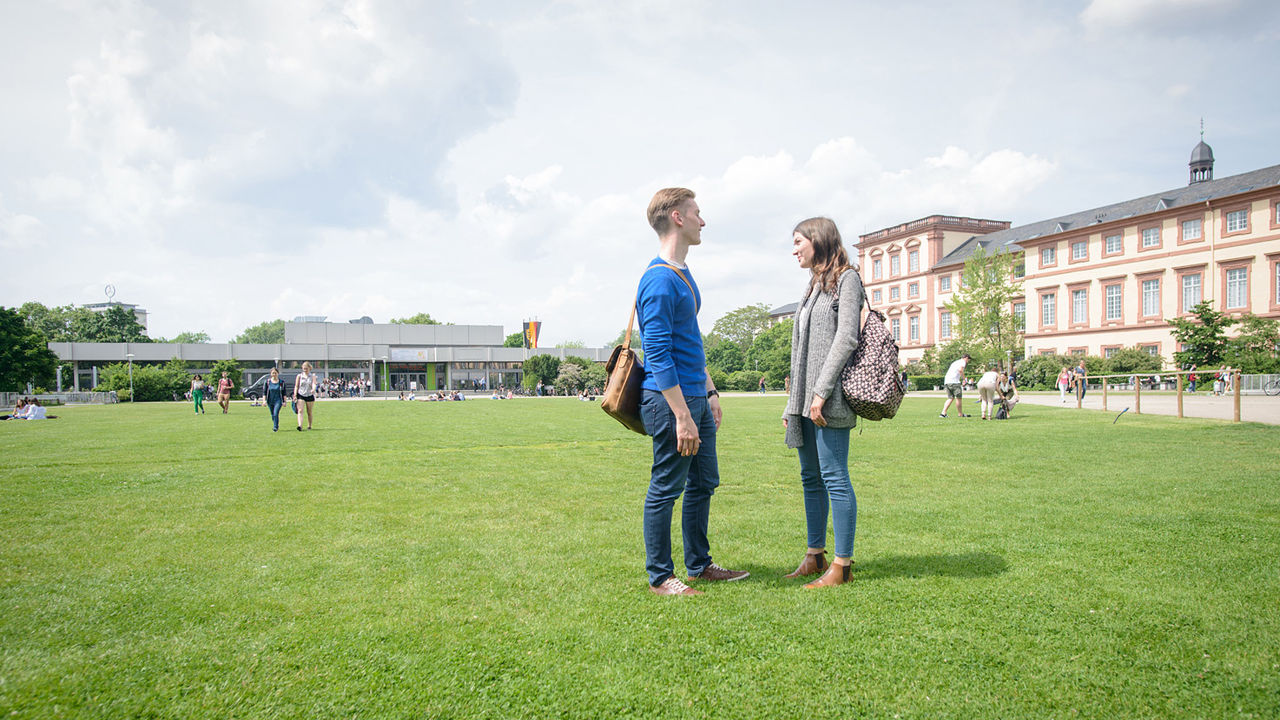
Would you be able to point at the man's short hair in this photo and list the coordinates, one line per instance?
(660, 207)
(966, 356)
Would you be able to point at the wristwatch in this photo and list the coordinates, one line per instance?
(712, 393)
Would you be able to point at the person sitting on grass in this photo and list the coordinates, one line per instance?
(19, 411)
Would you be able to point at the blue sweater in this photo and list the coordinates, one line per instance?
(669, 334)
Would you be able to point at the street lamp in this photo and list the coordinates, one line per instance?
(130, 356)
(384, 374)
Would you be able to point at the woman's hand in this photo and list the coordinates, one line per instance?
(815, 411)
(784, 422)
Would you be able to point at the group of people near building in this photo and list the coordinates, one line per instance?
(28, 408)
(997, 390)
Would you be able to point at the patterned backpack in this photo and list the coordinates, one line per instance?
(871, 380)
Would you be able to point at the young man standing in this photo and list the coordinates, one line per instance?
(680, 408)
(954, 383)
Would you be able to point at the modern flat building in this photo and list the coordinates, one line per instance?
(1097, 280)
(394, 356)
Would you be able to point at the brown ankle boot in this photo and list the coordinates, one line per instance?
(835, 575)
(812, 564)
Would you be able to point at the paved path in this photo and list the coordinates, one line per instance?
(1253, 408)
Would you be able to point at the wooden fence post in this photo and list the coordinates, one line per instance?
(1235, 384)
(1179, 395)
(1137, 395)
(1104, 393)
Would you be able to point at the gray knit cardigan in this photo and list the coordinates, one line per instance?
(820, 348)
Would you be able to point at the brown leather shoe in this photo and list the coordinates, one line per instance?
(812, 564)
(835, 575)
(673, 586)
(715, 573)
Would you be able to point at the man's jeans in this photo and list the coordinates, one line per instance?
(696, 476)
(824, 472)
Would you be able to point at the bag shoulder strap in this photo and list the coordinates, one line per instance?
(626, 342)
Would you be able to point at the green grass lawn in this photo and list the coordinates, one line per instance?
(484, 559)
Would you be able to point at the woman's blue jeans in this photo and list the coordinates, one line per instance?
(275, 414)
(824, 473)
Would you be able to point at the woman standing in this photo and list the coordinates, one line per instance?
(304, 391)
(987, 390)
(275, 398)
(197, 393)
(817, 418)
(1064, 382)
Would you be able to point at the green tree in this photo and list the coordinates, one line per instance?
(1204, 334)
(741, 326)
(770, 356)
(594, 376)
(25, 356)
(270, 332)
(115, 325)
(571, 344)
(541, 369)
(151, 383)
(515, 339)
(983, 306)
(569, 378)
(1128, 360)
(724, 356)
(54, 323)
(419, 319)
(234, 372)
(187, 337)
(635, 338)
(1253, 349)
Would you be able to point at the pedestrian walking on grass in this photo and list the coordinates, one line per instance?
(224, 393)
(197, 394)
(304, 392)
(817, 418)
(275, 398)
(680, 405)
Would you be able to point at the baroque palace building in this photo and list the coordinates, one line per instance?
(1097, 280)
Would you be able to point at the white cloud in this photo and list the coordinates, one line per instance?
(1179, 17)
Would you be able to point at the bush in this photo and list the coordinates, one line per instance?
(744, 380)
(719, 378)
(151, 383)
(924, 382)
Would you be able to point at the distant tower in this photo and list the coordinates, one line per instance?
(1201, 160)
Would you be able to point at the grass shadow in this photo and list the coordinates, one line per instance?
(968, 565)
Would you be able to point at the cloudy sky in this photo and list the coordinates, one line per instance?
(225, 163)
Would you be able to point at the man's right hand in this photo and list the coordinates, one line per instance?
(687, 440)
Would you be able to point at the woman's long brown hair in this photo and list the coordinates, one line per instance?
(830, 259)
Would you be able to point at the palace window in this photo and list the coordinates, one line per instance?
(1048, 256)
(913, 290)
(895, 326)
(944, 283)
(895, 294)
(913, 261)
(877, 296)
(1237, 220)
(1080, 250)
(1114, 304)
(913, 328)
(1151, 237)
(1114, 244)
(895, 265)
(1191, 229)
(877, 267)
(1190, 292)
(944, 324)
(1151, 297)
(1020, 315)
(1079, 306)
(1048, 310)
(1237, 285)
